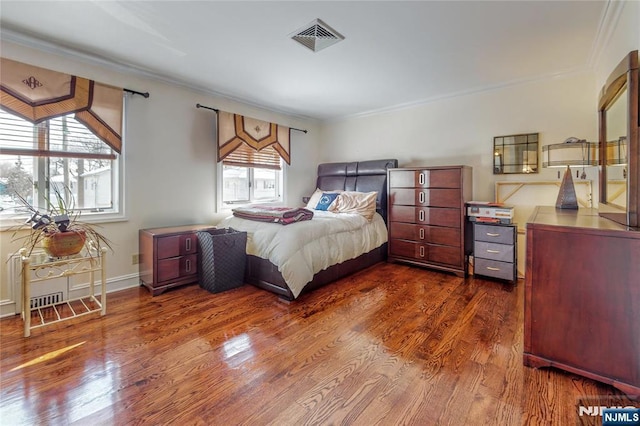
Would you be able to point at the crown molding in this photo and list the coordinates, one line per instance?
(34, 42)
(608, 22)
(473, 91)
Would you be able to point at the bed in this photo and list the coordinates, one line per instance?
(268, 268)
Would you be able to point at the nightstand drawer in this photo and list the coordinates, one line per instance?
(493, 251)
(495, 269)
(494, 233)
(177, 245)
(177, 267)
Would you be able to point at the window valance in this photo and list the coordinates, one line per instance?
(249, 142)
(38, 94)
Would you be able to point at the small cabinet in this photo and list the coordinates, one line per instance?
(169, 257)
(495, 251)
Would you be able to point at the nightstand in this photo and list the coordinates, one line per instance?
(169, 256)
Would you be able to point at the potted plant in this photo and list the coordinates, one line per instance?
(59, 230)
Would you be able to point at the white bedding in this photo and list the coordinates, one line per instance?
(302, 249)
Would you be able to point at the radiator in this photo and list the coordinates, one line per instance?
(45, 293)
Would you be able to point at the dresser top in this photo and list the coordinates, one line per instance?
(584, 218)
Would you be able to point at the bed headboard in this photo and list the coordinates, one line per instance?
(362, 176)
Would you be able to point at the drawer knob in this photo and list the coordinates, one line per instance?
(188, 244)
(421, 251)
(421, 197)
(493, 251)
(491, 234)
(422, 233)
(492, 268)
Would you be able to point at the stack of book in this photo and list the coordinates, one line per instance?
(488, 212)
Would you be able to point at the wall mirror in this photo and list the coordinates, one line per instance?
(515, 154)
(619, 145)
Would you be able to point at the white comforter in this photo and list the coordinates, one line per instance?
(302, 249)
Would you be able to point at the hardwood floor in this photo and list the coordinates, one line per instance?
(389, 345)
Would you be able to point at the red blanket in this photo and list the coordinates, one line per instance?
(265, 213)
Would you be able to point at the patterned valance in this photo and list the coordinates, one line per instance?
(37, 94)
(249, 142)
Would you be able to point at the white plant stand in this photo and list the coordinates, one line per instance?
(34, 273)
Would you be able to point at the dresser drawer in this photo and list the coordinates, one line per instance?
(425, 233)
(421, 197)
(436, 178)
(438, 216)
(447, 255)
(493, 251)
(408, 249)
(494, 233)
(495, 269)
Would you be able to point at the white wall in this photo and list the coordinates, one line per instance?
(460, 130)
(170, 158)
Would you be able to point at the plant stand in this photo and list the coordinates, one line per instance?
(70, 308)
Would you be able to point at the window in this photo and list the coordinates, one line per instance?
(57, 152)
(243, 185)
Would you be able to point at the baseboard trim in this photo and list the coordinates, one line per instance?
(8, 306)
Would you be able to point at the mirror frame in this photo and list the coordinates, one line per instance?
(624, 75)
(522, 166)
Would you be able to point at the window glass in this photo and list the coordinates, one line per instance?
(243, 185)
(93, 182)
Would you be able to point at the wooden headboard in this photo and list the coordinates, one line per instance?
(362, 176)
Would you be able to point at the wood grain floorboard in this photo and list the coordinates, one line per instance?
(391, 345)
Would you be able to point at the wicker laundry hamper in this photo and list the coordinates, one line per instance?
(222, 259)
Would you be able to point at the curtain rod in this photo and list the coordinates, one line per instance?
(144, 95)
(216, 110)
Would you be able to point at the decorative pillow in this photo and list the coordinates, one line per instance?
(326, 200)
(363, 203)
(317, 194)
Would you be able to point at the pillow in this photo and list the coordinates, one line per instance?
(313, 200)
(363, 203)
(327, 199)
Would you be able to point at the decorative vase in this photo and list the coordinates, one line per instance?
(66, 243)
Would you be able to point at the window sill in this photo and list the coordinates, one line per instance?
(228, 207)
(13, 223)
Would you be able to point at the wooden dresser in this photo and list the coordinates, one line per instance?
(169, 256)
(582, 296)
(426, 216)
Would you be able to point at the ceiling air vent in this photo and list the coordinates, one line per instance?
(317, 35)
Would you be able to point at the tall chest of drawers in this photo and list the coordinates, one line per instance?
(426, 216)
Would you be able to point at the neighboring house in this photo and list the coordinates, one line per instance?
(97, 189)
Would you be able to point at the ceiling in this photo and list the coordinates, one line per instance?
(395, 53)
